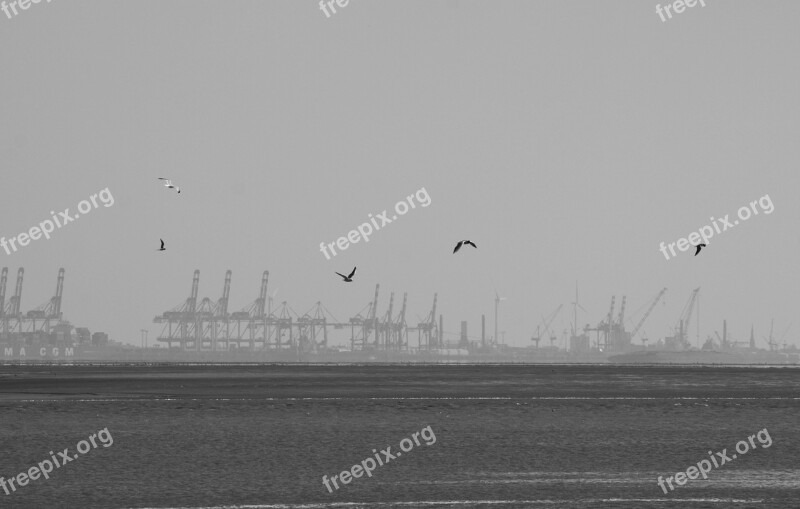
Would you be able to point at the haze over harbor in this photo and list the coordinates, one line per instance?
(566, 327)
(571, 192)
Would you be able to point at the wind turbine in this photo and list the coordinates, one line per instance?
(497, 300)
(575, 306)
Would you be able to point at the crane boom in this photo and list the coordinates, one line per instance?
(261, 302)
(3, 280)
(56, 311)
(610, 317)
(391, 306)
(689, 308)
(191, 302)
(14, 304)
(401, 318)
(374, 309)
(387, 322)
(647, 313)
(222, 303)
(547, 321)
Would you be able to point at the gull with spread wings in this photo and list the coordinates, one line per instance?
(348, 279)
(461, 243)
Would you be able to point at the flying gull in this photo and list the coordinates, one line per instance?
(699, 247)
(348, 279)
(467, 242)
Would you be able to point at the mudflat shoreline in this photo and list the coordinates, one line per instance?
(21, 382)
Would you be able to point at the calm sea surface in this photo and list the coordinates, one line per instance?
(506, 436)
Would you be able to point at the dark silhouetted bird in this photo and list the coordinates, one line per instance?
(699, 247)
(467, 242)
(348, 279)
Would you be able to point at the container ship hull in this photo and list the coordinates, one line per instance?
(705, 357)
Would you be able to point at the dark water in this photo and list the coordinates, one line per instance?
(506, 436)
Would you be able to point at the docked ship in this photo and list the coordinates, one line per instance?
(676, 350)
(731, 357)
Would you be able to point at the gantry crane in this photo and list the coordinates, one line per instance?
(180, 324)
(212, 319)
(394, 332)
(12, 318)
(385, 326)
(203, 325)
(251, 324)
(49, 313)
(605, 327)
(621, 316)
(365, 325)
(283, 319)
(429, 331)
(37, 324)
(221, 322)
(311, 324)
(399, 339)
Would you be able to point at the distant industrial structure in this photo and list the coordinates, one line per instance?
(610, 333)
(205, 327)
(43, 322)
(204, 330)
(41, 332)
(209, 326)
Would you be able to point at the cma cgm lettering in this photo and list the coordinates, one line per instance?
(25, 352)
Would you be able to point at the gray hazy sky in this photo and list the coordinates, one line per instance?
(566, 138)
